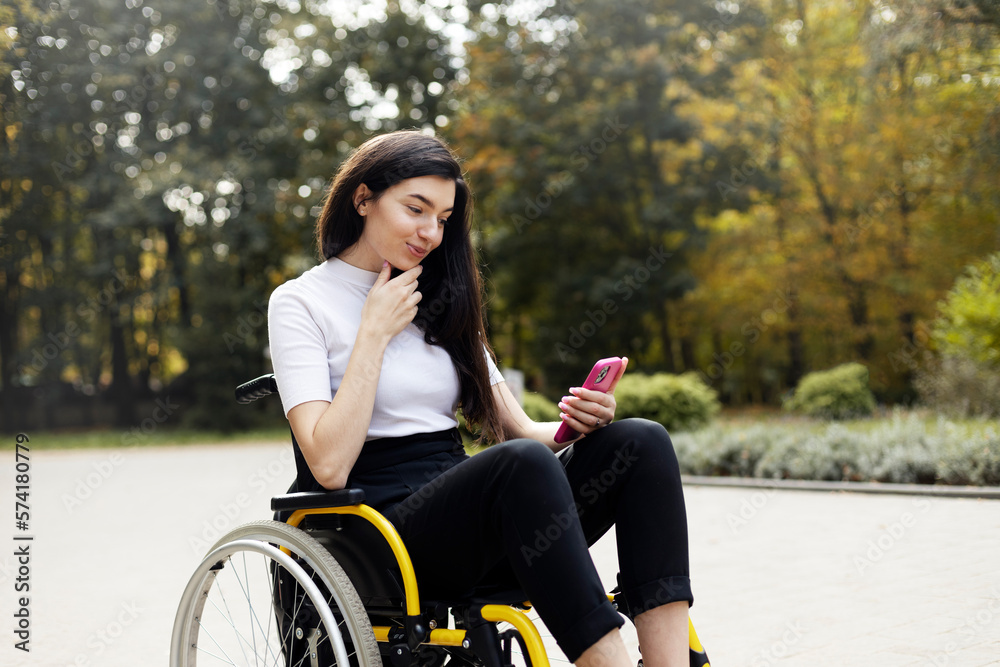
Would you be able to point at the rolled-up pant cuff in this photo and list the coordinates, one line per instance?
(585, 632)
(658, 592)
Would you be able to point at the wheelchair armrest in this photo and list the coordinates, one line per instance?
(310, 500)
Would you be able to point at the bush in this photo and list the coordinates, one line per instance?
(539, 408)
(964, 380)
(830, 456)
(678, 402)
(901, 449)
(971, 460)
(968, 326)
(959, 387)
(716, 451)
(838, 393)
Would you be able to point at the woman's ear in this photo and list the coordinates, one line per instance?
(362, 195)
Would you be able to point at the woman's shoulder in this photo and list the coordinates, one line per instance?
(320, 292)
(316, 280)
(310, 301)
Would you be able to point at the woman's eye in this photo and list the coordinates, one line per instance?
(443, 221)
(414, 209)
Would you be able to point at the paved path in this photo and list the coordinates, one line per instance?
(780, 577)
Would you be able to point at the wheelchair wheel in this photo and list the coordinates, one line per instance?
(251, 603)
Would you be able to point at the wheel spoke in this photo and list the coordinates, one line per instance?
(229, 615)
(214, 641)
(302, 588)
(253, 614)
(269, 578)
(253, 635)
(241, 640)
(207, 652)
(291, 617)
(226, 613)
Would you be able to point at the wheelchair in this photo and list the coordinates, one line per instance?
(332, 584)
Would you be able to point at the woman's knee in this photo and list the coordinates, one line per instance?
(530, 481)
(644, 429)
(645, 442)
(642, 433)
(525, 456)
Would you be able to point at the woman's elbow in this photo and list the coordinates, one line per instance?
(332, 478)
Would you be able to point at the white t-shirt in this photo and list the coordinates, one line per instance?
(312, 323)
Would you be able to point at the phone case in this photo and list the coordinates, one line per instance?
(601, 376)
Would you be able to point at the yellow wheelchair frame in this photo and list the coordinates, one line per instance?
(306, 545)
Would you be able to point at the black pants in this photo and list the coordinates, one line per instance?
(515, 513)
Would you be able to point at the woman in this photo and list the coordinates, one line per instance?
(371, 369)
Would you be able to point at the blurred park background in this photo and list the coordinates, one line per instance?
(736, 193)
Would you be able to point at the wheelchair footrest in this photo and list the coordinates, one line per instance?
(311, 500)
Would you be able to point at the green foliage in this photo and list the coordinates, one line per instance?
(969, 323)
(727, 452)
(964, 379)
(838, 393)
(162, 170)
(592, 159)
(539, 408)
(150, 258)
(904, 448)
(679, 402)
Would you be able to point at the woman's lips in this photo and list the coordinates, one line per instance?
(417, 252)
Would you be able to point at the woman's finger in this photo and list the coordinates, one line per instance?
(586, 412)
(383, 275)
(576, 424)
(592, 396)
(409, 277)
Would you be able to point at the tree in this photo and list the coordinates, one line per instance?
(164, 162)
(867, 159)
(589, 173)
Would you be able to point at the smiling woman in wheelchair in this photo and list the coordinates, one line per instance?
(376, 348)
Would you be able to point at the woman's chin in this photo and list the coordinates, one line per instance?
(405, 264)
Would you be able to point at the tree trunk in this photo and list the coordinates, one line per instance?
(8, 342)
(667, 340)
(687, 354)
(175, 255)
(121, 390)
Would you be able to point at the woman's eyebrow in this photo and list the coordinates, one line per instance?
(428, 201)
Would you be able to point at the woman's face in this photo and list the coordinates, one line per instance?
(404, 225)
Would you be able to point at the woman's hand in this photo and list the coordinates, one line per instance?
(588, 410)
(391, 304)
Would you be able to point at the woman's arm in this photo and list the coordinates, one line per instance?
(581, 411)
(331, 434)
(517, 424)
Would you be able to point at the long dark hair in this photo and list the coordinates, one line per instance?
(450, 312)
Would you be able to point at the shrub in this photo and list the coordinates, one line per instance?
(974, 461)
(830, 456)
(838, 393)
(678, 402)
(904, 448)
(964, 380)
(540, 408)
(715, 451)
(959, 387)
(968, 326)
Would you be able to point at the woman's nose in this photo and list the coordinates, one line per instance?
(431, 231)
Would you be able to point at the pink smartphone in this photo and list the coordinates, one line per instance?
(601, 376)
